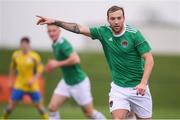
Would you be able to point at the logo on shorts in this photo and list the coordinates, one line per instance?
(124, 43)
(111, 103)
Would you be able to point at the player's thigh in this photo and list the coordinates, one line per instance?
(56, 102)
(37, 100)
(81, 92)
(142, 105)
(119, 104)
(17, 95)
(118, 98)
(119, 114)
(62, 89)
(119, 107)
(35, 97)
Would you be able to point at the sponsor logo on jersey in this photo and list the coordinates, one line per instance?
(124, 43)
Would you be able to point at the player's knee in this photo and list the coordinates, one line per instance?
(12, 105)
(118, 116)
(10, 108)
(52, 108)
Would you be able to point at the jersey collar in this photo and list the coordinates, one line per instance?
(26, 53)
(124, 30)
(60, 40)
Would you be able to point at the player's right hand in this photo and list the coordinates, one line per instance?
(51, 65)
(43, 20)
(30, 83)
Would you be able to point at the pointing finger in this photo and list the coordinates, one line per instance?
(39, 21)
(40, 16)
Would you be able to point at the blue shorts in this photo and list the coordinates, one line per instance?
(17, 95)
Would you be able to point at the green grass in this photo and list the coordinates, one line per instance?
(70, 112)
(164, 84)
(67, 111)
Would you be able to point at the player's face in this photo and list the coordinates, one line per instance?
(24, 46)
(53, 32)
(116, 21)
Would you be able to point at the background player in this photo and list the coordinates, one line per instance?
(129, 58)
(75, 82)
(26, 67)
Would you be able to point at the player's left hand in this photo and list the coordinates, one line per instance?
(141, 88)
(51, 65)
(30, 83)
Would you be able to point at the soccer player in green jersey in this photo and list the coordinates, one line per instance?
(75, 82)
(129, 58)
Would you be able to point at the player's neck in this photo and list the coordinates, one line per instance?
(55, 41)
(25, 51)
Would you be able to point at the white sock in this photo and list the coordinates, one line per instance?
(98, 115)
(54, 116)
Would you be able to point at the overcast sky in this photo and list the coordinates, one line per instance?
(17, 17)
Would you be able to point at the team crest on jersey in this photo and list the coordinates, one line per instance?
(111, 103)
(124, 43)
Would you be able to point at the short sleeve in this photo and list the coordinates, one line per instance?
(13, 61)
(141, 44)
(67, 49)
(95, 33)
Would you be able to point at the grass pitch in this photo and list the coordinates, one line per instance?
(164, 84)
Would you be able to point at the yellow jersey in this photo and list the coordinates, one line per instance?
(26, 65)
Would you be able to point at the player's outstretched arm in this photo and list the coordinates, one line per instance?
(73, 27)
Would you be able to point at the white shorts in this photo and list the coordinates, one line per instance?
(80, 92)
(126, 98)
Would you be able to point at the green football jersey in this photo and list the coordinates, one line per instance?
(73, 74)
(123, 53)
